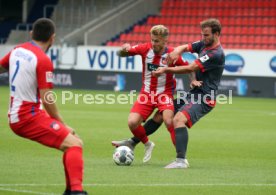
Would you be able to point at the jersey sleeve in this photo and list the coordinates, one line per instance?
(138, 49)
(44, 73)
(208, 61)
(195, 46)
(4, 62)
(181, 62)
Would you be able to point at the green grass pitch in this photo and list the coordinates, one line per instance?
(231, 151)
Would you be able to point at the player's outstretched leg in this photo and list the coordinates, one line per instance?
(150, 127)
(126, 142)
(129, 142)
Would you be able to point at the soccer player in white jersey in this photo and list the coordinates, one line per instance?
(155, 92)
(31, 81)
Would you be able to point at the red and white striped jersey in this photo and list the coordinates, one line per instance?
(30, 70)
(163, 84)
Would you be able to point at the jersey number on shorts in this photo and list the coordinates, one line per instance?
(14, 75)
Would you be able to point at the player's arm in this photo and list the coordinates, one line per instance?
(182, 48)
(48, 100)
(123, 52)
(4, 63)
(45, 85)
(174, 55)
(177, 69)
(44, 73)
(192, 76)
(2, 69)
(193, 81)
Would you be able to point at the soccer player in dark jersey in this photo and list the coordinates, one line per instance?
(200, 100)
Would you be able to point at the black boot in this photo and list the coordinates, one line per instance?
(68, 192)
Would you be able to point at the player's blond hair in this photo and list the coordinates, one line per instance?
(160, 30)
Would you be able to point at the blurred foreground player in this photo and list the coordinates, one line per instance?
(31, 81)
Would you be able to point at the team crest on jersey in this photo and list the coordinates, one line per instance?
(204, 58)
(49, 77)
(55, 126)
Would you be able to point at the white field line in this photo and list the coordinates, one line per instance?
(148, 185)
(3, 186)
(25, 191)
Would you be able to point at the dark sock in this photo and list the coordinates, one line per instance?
(181, 138)
(150, 127)
(135, 140)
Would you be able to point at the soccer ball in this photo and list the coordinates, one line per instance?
(123, 156)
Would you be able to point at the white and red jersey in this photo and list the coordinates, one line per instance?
(30, 70)
(164, 83)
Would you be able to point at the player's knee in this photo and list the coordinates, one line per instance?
(134, 120)
(78, 143)
(179, 120)
(132, 124)
(71, 141)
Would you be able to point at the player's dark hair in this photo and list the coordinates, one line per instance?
(213, 23)
(43, 29)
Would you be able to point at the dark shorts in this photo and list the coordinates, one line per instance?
(192, 110)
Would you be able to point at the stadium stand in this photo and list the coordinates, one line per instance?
(68, 15)
(111, 23)
(72, 15)
(246, 24)
(13, 30)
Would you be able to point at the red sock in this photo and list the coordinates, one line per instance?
(172, 132)
(73, 163)
(66, 172)
(140, 133)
